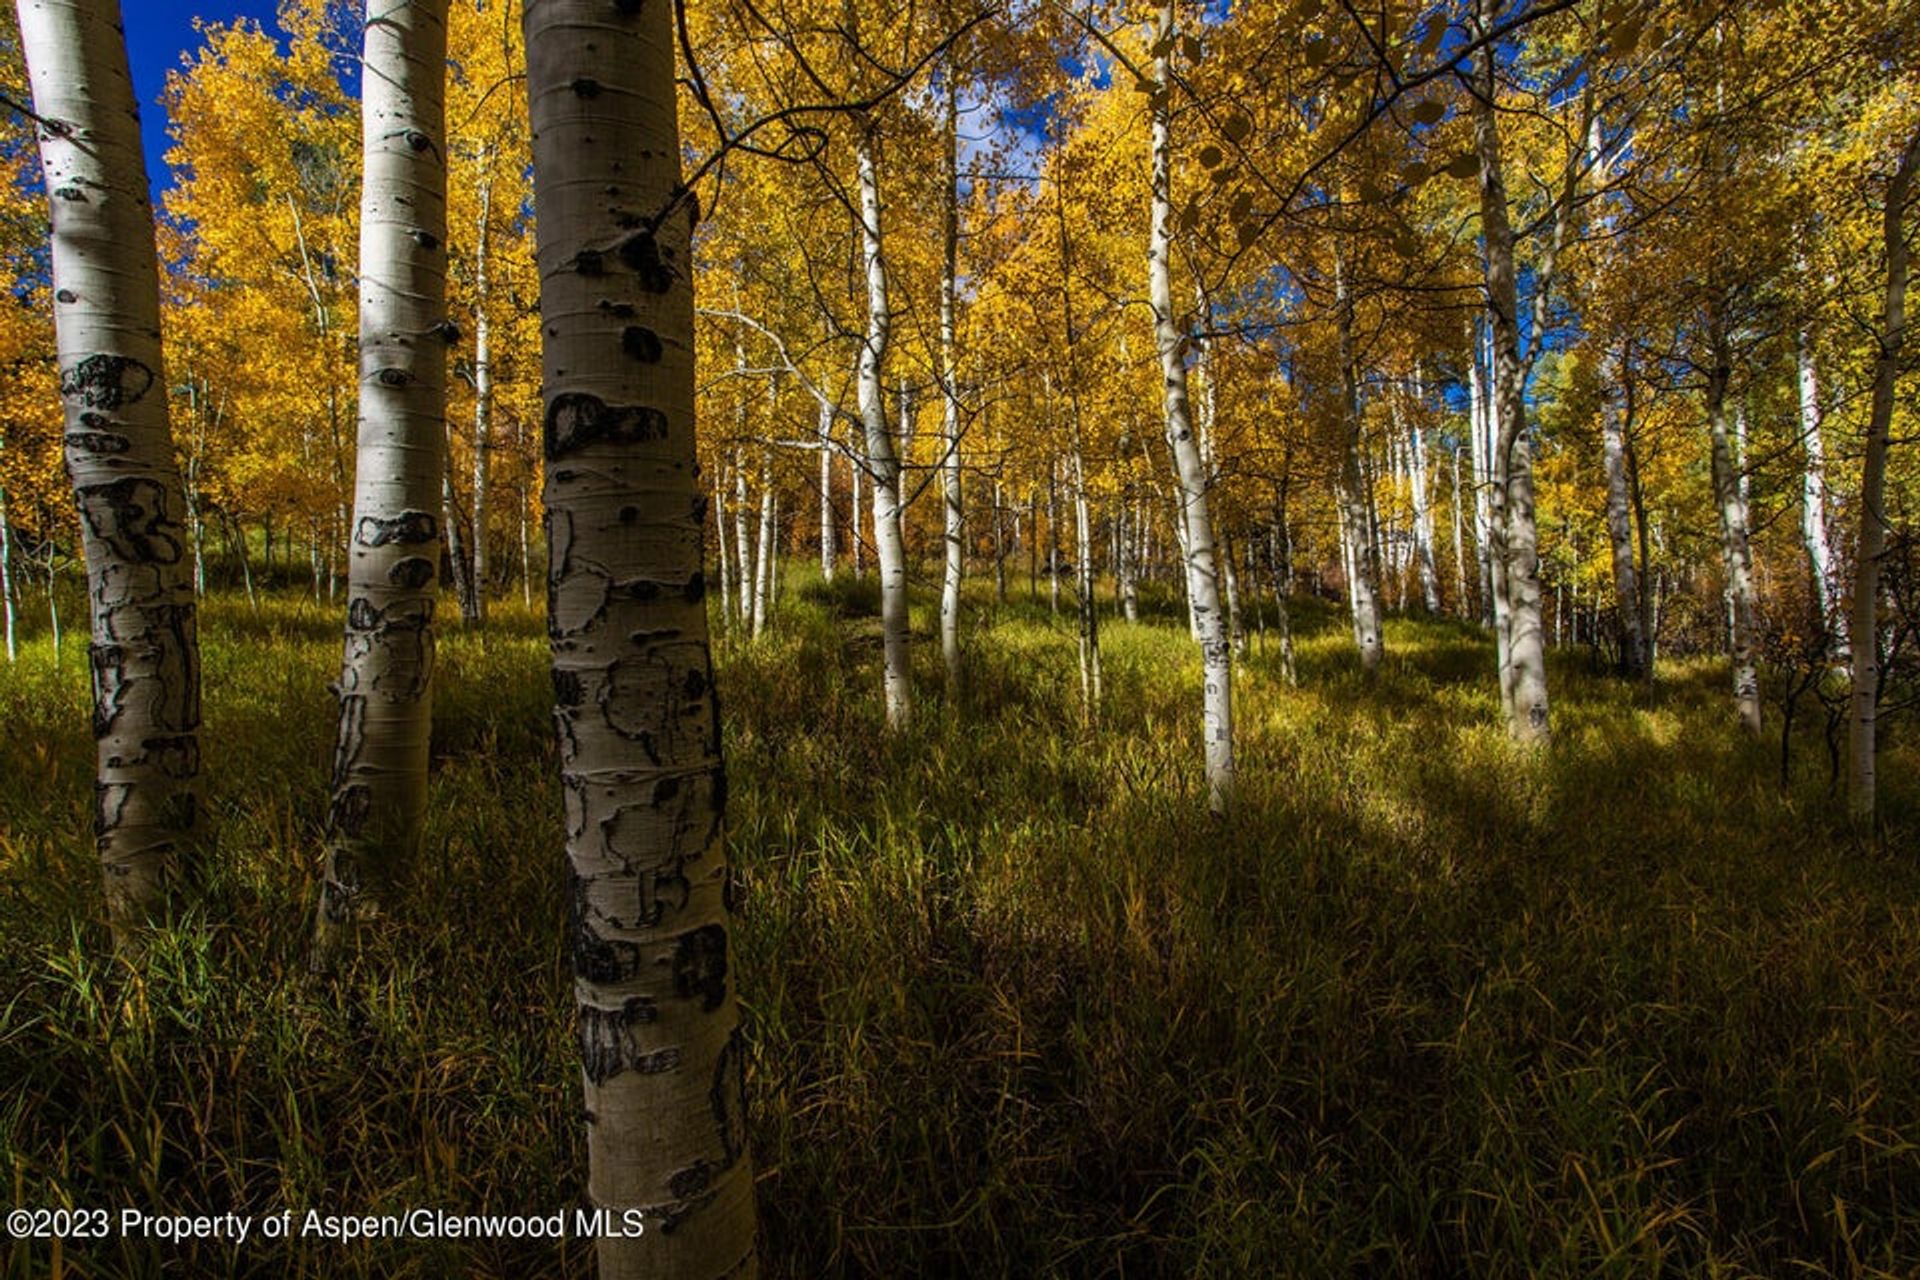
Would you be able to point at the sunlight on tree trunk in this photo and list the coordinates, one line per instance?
(379, 790)
(145, 655)
(1171, 343)
(640, 767)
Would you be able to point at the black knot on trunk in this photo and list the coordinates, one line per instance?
(588, 262)
(586, 87)
(425, 239)
(576, 419)
(391, 377)
(449, 332)
(642, 343)
(417, 140)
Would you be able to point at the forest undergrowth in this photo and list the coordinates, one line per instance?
(1425, 1005)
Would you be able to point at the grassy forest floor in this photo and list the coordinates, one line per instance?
(1424, 1006)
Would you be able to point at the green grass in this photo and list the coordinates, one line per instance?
(1423, 1006)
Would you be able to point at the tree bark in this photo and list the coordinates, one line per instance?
(145, 657)
(1363, 589)
(1171, 342)
(1515, 537)
(1813, 502)
(379, 790)
(955, 532)
(1736, 551)
(1861, 746)
(1615, 412)
(482, 395)
(883, 465)
(639, 744)
(828, 552)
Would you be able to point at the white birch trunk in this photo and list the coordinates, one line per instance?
(1736, 552)
(482, 396)
(1170, 342)
(1626, 581)
(1363, 589)
(955, 531)
(119, 454)
(1814, 528)
(763, 552)
(828, 552)
(1515, 537)
(641, 774)
(889, 545)
(379, 793)
(1862, 751)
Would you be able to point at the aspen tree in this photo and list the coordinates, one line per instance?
(144, 652)
(379, 788)
(640, 766)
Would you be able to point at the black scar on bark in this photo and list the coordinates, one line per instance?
(67, 296)
(348, 813)
(642, 343)
(619, 310)
(728, 1096)
(409, 528)
(599, 959)
(568, 689)
(108, 665)
(107, 382)
(700, 966)
(412, 573)
(586, 87)
(98, 441)
(696, 588)
(691, 1181)
(394, 377)
(589, 262)
(130, 516)
(177, 757)
(641, 252)
(353, 733)
(606, 1039)
(576, 419)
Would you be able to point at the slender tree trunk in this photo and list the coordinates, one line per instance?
(828, 552)
(743, 546)
(1736, 551)
(855, 469)
(999, 546)
(763, 552)
(1089, 610)
(1813, 502)
(1170, 341)
(727, 620)
(1363, 590)
(955, 533)
(482, 396)
(889, 545)
(640, 766)
(1861, 746)
(1615, 411)
(1053, 535)
(1480, 437)
(6, 575)
(379, 790)
(1459, 539)
(1515, 537)
(145, 655)
(1418, 482)
(459, 559)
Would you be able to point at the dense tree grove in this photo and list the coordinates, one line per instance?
(1581, 321)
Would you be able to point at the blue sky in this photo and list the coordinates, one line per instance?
(158, 33)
